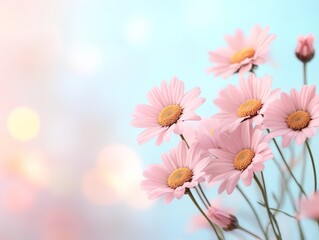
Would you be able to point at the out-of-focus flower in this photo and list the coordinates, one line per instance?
(169, 108)
(304, 50)
(206, 134)
(241, 153)
(219, 216)
(248, 101)
(294, 116)
(182, 169)
(243, 54)
(308, 208)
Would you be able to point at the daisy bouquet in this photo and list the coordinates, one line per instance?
(235, 144)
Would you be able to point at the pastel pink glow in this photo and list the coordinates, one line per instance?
(258, 40)
(156, 183)
(222, 167)
(206, 134)
(308, 208)
(146, 116)
(231, 98)
(218, 215)
(304, 50)
(279, 110)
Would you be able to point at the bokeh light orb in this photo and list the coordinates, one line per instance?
(138, 30)
(116, 177)
(23, 124)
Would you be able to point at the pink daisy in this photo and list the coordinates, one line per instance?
(182, 168)
(169, 108)
(242, 153)
(294, 116)
(242, 54)
(308, 208)
(248, 101)
(219, 216)
(207, 132)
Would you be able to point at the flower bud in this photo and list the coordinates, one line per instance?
(304, 50)
(227, 221)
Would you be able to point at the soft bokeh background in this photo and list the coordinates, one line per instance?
(71, 73)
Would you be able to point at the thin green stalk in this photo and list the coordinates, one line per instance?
(291, 198)
(183, 138)
(278, 210)
(265, 189)
(313, 166)
(249, 232)
(303, 170)
(202, 212)
(203, 193)
(254, 211)
(288, 168)
(267, 206)
(304, 73)
(201, 198)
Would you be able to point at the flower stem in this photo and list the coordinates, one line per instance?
(289, 170)
(183, 138)
(203, 193)
(278, 210)
(201, 198)
(304, 73)
(313, 165)
(202, 212)
(291, 198)
(265, 189)
(303, 170)
(264, 193)
(247, 231)
(254, 211)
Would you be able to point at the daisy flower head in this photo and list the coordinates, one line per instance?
(207, 132)
(241, 154)
(182, 169)
(308, 208)
(248, 101)
(294, 116)
(169, 107)
(243, 53)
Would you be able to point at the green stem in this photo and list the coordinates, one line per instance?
(265, 189)
(304, 73)
(266, 204)
(201, 198)
(291, 198)
(183, 138)
(313, 165)
(278, 210)
(202, 212)
(249, 232)
(288, 168)
(204, 195)
(303, 170)
(254, 211)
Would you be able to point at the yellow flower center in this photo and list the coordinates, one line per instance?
(242, 55)
(179, 176)
(249, 108)
(169, 115)
(212, 132)
(243, 159)
(298, 120)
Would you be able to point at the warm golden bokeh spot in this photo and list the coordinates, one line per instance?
(23, 124)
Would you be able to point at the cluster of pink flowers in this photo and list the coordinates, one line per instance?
(234, 143)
